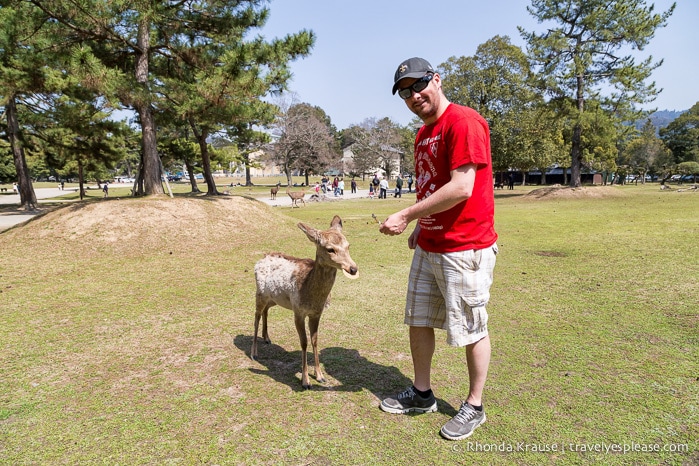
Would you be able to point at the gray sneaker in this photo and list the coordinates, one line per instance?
(408, 401)
(464, 423)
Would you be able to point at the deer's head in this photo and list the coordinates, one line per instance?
(332, 248)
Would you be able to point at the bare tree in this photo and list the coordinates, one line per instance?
(376, 145)
(304, 141)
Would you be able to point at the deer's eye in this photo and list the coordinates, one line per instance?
(330, 250)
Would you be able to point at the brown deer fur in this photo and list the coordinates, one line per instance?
(296, 196)
(274, 190)
(302, 285)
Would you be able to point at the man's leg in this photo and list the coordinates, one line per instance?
(410, 400)
(422, 349)
(478, 360)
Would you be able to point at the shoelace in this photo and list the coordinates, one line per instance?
(465, 414)
(409, 393)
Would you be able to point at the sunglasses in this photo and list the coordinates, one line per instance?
(417, 86)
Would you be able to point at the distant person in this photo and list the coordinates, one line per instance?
(410, 183)
(371, 190)
(335, 184)
(341, 186)
(353, 185)
(376, 182)
(399, 187)
(105, 189)
(383, 188)
(511, 181)
(14, 188)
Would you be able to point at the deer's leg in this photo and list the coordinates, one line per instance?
(261, 309)
(253, 351)
(313, 329)
(301, 329)
(265, 333)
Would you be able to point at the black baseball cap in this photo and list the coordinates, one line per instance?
(411, 68)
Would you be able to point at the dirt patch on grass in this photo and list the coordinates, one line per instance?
(564, 192)
(135, 226)
(550, 253)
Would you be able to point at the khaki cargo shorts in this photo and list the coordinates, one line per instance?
(450, 291)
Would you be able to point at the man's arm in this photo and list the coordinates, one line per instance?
(458, 189)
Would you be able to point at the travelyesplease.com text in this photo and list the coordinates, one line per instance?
(563, 447)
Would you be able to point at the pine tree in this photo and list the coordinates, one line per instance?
(192, 56)
(580, 57)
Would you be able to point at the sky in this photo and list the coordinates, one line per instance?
(360, 43)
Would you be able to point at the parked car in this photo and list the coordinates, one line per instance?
(688, 179)
(174, 178)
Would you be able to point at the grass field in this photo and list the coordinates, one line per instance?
(127, 325)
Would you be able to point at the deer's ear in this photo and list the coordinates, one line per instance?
(336, 223)
(311, 232)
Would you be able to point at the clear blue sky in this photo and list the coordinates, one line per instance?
(360, 43)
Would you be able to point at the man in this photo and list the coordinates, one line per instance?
(399, 187)
(383, 188)
(454, 242)
(375, 182)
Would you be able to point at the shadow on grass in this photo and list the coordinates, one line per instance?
(506, 194)
(353, 371)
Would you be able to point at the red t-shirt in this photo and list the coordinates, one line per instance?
(460, 136)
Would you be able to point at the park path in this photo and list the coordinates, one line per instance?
(10, 218)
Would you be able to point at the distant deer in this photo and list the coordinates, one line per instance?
(303, 285)
(274, 190)
(296, 196)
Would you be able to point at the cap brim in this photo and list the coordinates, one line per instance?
(416, 74)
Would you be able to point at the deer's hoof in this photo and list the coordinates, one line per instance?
(321, 380)
(306, 387)
(268, 341)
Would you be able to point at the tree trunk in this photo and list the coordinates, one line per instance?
(576, 149)
(205, 159)
(27, 195)
(248, 178)
(138, 182)
(151, 163)
(81, 182)
(246, 166)
(576, 157)
(192, 180)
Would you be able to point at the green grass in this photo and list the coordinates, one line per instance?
(139, 355)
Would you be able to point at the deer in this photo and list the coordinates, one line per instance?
(296, 196)
(274, 190)
(303, 286)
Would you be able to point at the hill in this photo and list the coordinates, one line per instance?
(660, 119)
(136, 227)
